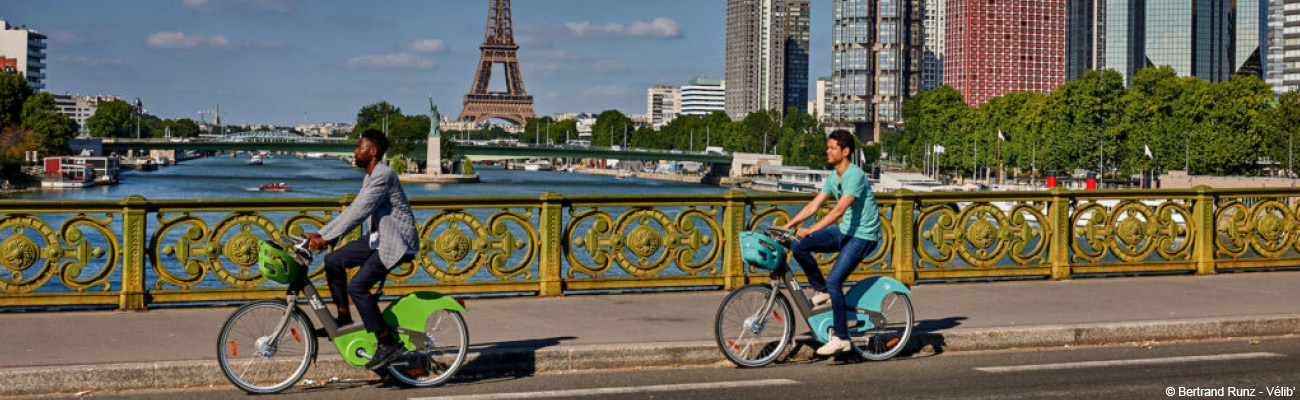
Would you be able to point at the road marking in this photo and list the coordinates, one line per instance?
(616, 390)
(1116, 363)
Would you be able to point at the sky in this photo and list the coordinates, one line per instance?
(287, 62)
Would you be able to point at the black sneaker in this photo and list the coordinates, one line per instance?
(384, 354)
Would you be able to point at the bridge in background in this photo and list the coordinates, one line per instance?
(255, 141)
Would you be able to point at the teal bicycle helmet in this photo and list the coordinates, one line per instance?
(760, 250)
(277, 264)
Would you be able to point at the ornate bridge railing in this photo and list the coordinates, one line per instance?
(135, 253)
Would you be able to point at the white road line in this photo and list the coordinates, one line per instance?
(1116, 363)
(616, 390)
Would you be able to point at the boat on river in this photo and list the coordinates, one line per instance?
(274, 187)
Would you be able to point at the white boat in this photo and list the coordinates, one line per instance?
(624, 174)
(540, 165)
(70, 176)
(256, 160)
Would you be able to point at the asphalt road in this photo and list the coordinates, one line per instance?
(1240, 367)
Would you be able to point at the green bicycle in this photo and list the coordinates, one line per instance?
(267, 346)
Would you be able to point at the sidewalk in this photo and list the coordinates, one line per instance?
(174, 347)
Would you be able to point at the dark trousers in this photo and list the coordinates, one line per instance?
(357, 253)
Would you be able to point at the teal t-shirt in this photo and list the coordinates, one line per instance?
(862, 219)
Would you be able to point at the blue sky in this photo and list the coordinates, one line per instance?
(271, 61)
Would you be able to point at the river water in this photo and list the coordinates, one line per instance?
(225, 177)
(232, 178)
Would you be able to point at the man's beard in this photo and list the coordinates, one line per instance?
(356, 162)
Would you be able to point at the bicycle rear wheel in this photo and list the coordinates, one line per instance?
(742, 327)
(439, 351)
(889, 337)
(254, 358)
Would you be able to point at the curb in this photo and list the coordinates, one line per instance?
(525, 361)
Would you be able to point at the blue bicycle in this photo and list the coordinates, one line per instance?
(755, 325)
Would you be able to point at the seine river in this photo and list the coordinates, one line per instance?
(226, 177)
(232, 178)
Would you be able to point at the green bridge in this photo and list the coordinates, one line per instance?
(135, 252)
(121, 146)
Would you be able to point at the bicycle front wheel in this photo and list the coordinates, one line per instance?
(750, 333)
(439, 351)
(257, 360)
(887, 339)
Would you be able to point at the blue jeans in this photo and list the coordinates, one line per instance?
(852, 250)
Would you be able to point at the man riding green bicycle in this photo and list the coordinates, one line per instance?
(392, 241)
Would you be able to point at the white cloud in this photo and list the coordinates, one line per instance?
(396, 60)
(563, 63)
(426, 46)
(181, 41)
(659, 28)
(607, 91)
(240, 7)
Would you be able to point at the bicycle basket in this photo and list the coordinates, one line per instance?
(275, 263)
(761, 251)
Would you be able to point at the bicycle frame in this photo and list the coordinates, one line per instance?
(783, 280)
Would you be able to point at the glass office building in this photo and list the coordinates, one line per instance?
(1208, 39)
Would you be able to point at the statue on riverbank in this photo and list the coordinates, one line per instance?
(435, 119)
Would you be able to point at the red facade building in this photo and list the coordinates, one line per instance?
(995, 47)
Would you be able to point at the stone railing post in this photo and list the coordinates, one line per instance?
(1058, 249)
(1203, 246)
(904, 221)
(733, 222)
(133, 295)
(550, 228)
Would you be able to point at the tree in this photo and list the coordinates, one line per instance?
(14, 91)
(372, 115)
(14, 143)
(609, 128)
(1285, 121)
(113, 118)
(51, 130)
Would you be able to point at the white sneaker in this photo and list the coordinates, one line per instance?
(835, 345)
(820, 298)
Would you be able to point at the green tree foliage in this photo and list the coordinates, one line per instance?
(1225, 125)
(372, 115)
(51, 129)
(14, 91)
(610, 127)
(406, 133)
(14, 143)
(1285, 132)
(114, 119)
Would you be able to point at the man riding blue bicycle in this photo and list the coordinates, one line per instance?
(856, 235)
(392, 241)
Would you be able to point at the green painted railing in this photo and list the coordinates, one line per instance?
(136, 252)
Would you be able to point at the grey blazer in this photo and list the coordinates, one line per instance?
(384, 202)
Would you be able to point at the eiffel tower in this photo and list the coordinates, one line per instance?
(514, 105)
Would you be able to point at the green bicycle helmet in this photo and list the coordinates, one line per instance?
(277, 264)
(761, 251)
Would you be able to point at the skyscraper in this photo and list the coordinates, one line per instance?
(1125, 35)
(1084, 37)
(23, 51)
(796, 18)
(1208, 39)
(767, 55)
(876, 63)
(995, 47)
(1283, 55)
(932, 50)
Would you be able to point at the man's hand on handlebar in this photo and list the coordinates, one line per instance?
(803, 233)
(315, 242)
